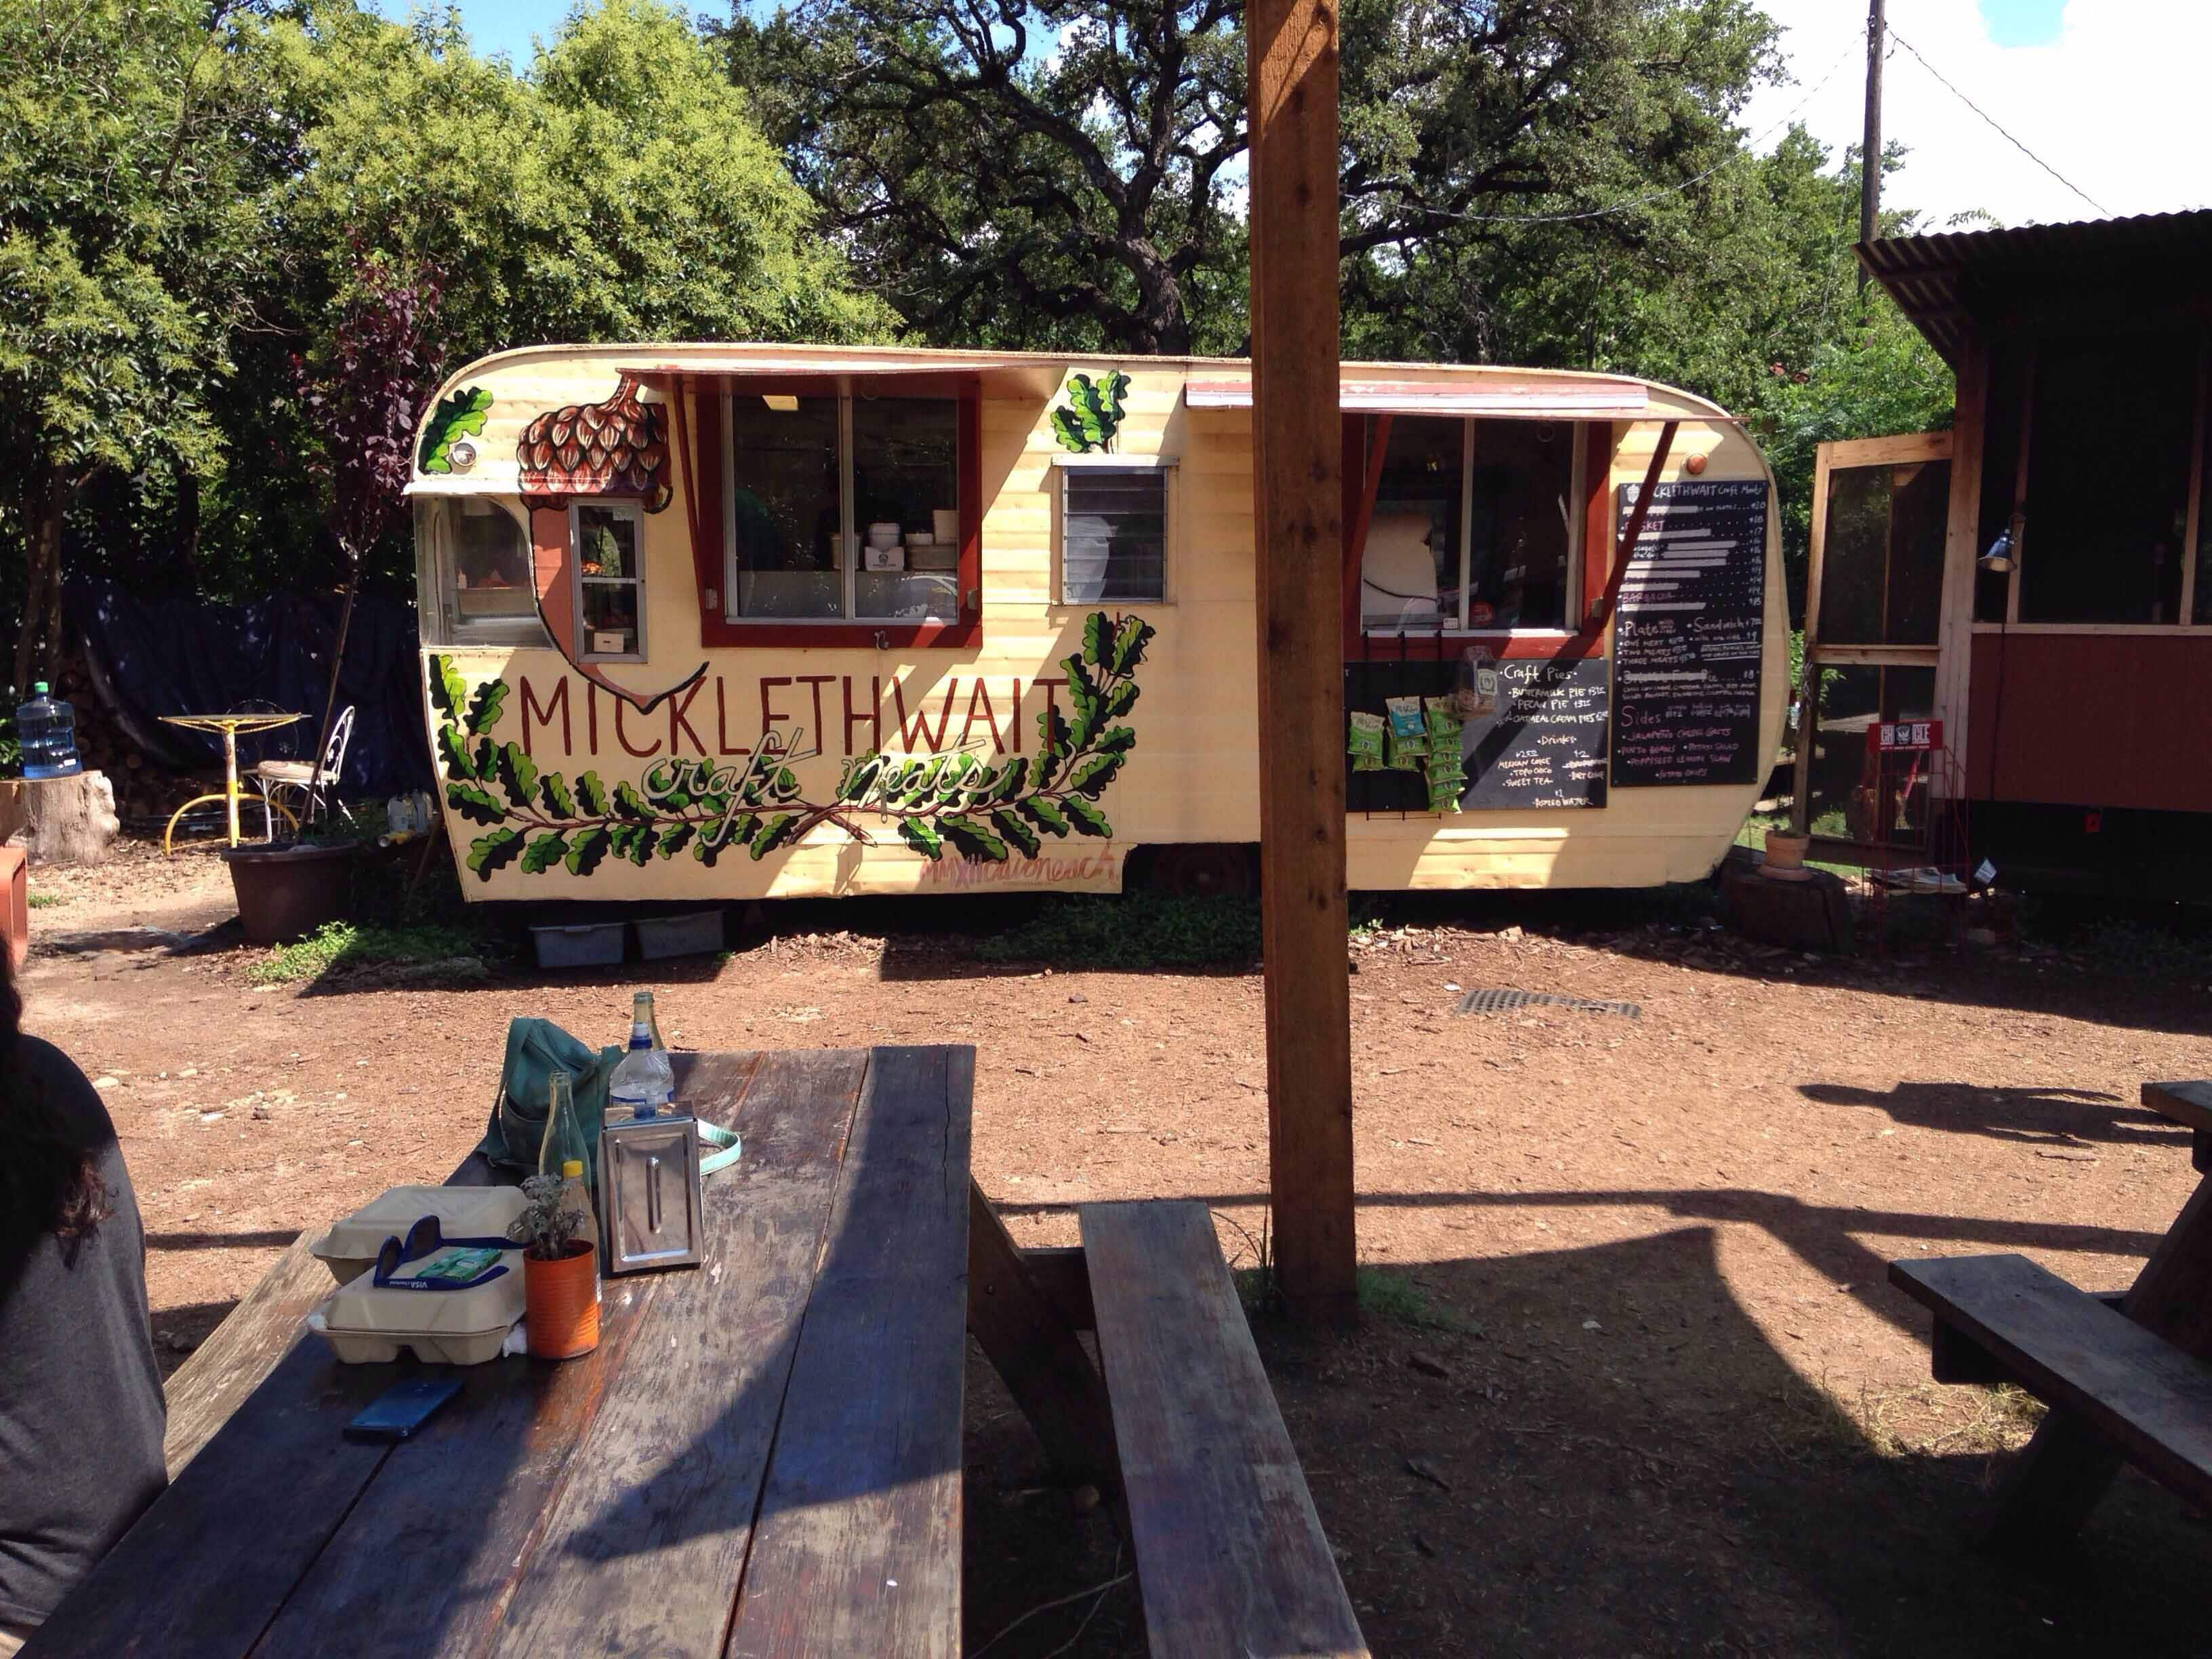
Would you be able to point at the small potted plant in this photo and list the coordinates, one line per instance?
(560, 1273)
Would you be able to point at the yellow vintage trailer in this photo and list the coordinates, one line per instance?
(740, 621)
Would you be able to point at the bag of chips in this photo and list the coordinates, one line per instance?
(1445, 790)
(1364, 742)
(1444, 725)
(1409, 734)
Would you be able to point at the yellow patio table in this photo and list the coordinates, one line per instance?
(229, 726)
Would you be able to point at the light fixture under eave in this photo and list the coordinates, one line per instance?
(783, 403)
(1997, 561)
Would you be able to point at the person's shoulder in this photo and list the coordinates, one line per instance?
(66, 1085)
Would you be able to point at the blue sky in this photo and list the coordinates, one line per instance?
(2023, 22)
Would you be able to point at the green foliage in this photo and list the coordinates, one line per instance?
(461, 415)
(1092, 413)
(193, 198)
(341, 947)
(1873, 378)
(1131, 931)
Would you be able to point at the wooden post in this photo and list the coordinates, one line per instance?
(1297, 523)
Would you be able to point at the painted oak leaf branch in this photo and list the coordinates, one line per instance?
(982, 810)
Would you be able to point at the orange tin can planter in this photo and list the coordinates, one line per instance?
(561, 1303)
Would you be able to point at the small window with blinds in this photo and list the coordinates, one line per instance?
(1113, 535)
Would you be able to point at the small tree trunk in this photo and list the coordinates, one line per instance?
(338, 660)
(60, 820)
(42, 516)
(52, 655)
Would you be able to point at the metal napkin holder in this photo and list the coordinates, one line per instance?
(650, 1192)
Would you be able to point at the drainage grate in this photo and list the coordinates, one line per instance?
(1499, 1002)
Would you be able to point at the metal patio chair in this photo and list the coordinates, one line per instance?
(316, 785)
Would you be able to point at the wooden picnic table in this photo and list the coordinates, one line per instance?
(2126, 1376)
(761, 1457)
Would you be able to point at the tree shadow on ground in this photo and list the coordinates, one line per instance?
(1823, 1237)
(2041, 1115)
(1616, 1460)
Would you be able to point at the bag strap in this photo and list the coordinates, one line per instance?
(715, 1135)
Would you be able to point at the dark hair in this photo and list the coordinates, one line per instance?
(49, 1178)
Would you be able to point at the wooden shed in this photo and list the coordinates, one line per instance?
(2037, 583)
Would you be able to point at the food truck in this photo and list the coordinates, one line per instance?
(729, 622)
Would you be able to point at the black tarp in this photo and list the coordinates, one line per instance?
(172, 656)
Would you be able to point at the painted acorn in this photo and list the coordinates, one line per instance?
(618, 447)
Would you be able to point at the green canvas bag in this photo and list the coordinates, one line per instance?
(536, 1048)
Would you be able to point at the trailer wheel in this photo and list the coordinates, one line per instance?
(1201, 869)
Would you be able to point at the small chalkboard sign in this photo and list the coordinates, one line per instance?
(1545, 745)
(1689, 635)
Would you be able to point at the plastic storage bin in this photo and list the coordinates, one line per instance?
(349, 1248)
(578, 944)
(661, 937)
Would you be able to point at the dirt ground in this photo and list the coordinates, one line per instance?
(1632, 1380)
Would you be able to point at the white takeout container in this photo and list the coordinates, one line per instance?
(945, 522)
(366, 1325)
(883, 533)
(886, 558)
(350, 1248)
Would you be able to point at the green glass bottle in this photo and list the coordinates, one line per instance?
(564, 1135)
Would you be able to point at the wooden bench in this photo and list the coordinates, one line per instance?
(2080, 1355)
(1229, 1553)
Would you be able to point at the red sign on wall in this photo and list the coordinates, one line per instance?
(1892, 737)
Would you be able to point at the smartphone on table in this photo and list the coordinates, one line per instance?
(403, 1408)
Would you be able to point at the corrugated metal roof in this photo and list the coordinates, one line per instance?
(1943, 282)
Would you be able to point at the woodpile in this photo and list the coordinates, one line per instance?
(145, 791)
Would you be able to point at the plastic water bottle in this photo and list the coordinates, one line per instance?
(645, 1082)
(46, 728)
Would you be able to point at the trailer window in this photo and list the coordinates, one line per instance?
(472, 558)
(606, 538)
(1474, 526)
(1113, 535)
(843, 509)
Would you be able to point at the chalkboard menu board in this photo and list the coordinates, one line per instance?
(1545, 745)
(1689, 634)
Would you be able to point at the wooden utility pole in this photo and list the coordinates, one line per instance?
(1297, 524)
(1870, 146)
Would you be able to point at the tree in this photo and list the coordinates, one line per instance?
(1069, 173)
(621, 192)
(131, 147)
(1877, 377)
(194, 200)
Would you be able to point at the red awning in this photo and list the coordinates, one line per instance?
(1525, 397)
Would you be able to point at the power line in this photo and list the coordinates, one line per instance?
(2001, 133)
(1749, 150)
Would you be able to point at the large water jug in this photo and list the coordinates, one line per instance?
(46, 728)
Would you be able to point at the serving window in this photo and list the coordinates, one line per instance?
(473, 555)
(842, 507)
(1476, 525)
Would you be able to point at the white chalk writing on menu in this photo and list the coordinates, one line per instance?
(1545, 745)
(1689, 635)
